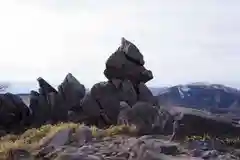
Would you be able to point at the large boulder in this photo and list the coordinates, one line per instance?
(14, 114)
(45, 87)
(131, 51)
(71, 90)
(90, 109)
(59, 109)
(106, 96)
(127, 92)
(127, 63)
(41, 109)
(118, 66)
(186, 120)
(143, 115)
(145, 95)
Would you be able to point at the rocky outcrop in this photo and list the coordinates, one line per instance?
(126, 76)
(14, 114)
(71, 90)
(101, 106)
(52, 106)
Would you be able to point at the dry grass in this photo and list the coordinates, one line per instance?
(229, 141)
(33, 138)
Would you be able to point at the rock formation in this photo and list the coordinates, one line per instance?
(14, 114)
(123, 99)
(126, 76)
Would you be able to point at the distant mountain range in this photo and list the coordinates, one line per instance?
(212, 97)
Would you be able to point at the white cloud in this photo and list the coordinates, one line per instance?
(182, 41)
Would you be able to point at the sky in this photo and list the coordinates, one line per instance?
(182, 41)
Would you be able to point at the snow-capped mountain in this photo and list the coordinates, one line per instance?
(201, 95)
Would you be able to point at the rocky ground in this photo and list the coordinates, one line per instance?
(79, 142)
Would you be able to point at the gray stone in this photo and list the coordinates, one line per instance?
(123, 114)
(59, 110)
(91, 110)
(14, 113)
(45, 87)
(83, 135)
(19, 154)
(210, 154)
(127, 63)
(71, 90)
(116, 82)
(106, 96)
(60, 138)
(144, 116)
(145, 95)
(131, 51)
(127, 92)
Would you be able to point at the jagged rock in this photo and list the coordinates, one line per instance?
(129, 70)
(14, 113)
(127, 92)
(145, 95)
(131, 51)
(91, 110)
(41, 110)
(127, 63)
(45, 87)
(59, 109)
(71, 90)
(106, 96)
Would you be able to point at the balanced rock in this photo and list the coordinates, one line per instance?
(127, 63)
(131, 51)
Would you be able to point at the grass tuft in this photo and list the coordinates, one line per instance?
(32, 139)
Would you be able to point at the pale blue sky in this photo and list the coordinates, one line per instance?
(182, 40)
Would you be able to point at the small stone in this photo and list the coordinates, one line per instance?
(60, 138)
(19, 154)
(210, 154)
(84, 135)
